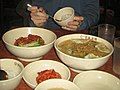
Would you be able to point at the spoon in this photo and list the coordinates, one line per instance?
(3, 74)
(29, 6)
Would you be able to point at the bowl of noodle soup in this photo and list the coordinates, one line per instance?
(82, 51)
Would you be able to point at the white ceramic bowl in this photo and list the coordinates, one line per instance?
(29, 53)
(63, 16)
(78, 64)
(96, 80)
(31, 70)
(57, 84)
(14, 69)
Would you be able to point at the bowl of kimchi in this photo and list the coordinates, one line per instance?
(83, 52)
(29, 43)
(39, 71)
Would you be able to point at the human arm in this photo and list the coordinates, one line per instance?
(88, 9)
(89, 12)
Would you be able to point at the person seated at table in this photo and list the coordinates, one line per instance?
(86, 13)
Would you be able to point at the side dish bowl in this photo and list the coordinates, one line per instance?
(57, 84)
(76, 63)
(29, 53)
(14, 70)
(96, 80)
(31, 71)
(63, 16)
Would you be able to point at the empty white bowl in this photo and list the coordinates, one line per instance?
(29, 53)
(31, 70)
(57, 84)
(63, 16)
(96, 80)
(14, 69)
(77, 64)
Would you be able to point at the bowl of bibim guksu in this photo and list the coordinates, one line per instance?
(82, 51)
(29, 43)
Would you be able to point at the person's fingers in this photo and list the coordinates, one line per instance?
(78, 18)
(66, 28)
(41, 10)
(73, 23)
(39, 24)
(69, 29)
(72, 27)
(33, 9)
(38, 15)
(38, 21)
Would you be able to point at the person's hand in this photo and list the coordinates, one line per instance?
(38, 16)
(75, 24)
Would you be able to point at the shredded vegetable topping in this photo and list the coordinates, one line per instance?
(30, 41)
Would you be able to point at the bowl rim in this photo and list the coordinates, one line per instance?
(95, 59)
(46, 60)
(56, 80)
(95, 71)
(61, 9)
(55, 37)
(15, 60)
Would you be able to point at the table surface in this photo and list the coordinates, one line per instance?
(4, 53)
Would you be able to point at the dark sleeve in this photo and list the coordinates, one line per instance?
(21, 9)
(90, 13)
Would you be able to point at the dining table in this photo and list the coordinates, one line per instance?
(51, 55)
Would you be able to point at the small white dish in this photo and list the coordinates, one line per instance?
(57, 84)
(31, 70)
(96, 80)
(63, 16)
(14, 70)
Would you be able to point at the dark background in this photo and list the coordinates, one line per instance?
(109, 13)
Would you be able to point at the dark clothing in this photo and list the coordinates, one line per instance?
(89, 9)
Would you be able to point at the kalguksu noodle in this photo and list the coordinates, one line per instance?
(83, 48)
